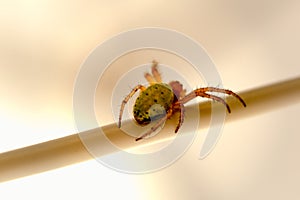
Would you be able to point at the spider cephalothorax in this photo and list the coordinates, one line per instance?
(160, 100)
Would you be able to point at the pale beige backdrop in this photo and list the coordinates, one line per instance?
(43, 43)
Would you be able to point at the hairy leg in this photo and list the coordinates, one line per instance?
(177, 107)
(126, 99)
(155, 72)
(201, 92)
(229, 92)
(149, 78)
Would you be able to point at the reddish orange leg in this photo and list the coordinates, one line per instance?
(201, 92)
(229, 92)
(219, 99)
(126, 99)
(179, 107)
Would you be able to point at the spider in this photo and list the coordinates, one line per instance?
(161, 100)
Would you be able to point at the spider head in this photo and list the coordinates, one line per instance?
(143, 120)
(155, 112)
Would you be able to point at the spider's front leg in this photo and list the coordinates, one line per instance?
(225, 91)
(126, 99)
(202, 92)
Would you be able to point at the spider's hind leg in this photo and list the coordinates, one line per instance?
(155, 72)
(149, 78)
(155, 76)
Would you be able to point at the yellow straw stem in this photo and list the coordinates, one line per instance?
(70, 150)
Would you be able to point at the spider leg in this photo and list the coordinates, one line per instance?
(149, 78)
(202, 93)
(157, 125)
(216, 98)
(155, 72)
(126, 99)
(229, 92)
(179, 107)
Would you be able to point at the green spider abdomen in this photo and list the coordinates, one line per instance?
(153, 103)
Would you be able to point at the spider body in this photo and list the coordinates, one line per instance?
(161, 100)
(152, 103)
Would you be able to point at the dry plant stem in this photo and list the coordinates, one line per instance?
(70, 150)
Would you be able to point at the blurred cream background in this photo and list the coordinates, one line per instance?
(43, 43)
